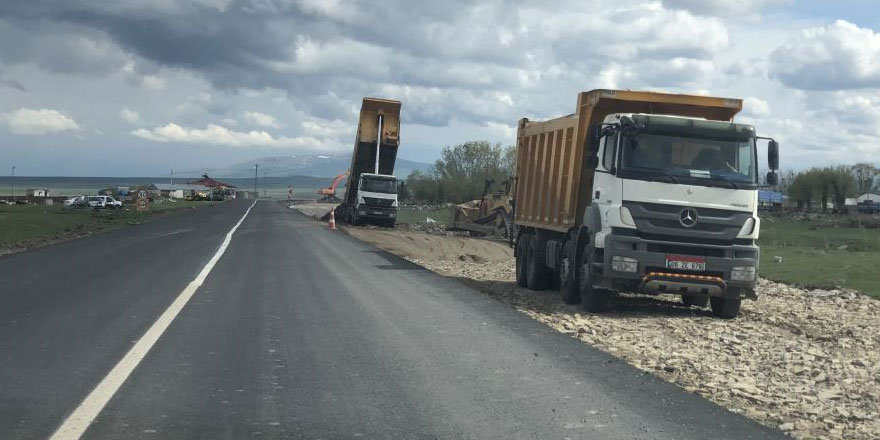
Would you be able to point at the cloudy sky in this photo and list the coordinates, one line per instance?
(138, 87)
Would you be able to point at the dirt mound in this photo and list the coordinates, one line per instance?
(417, 245)
(315, 210)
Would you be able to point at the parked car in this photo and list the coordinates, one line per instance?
(76, 202)
(868, 207)
(100, 202)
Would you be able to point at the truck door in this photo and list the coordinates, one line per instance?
(606, 186)
(604, 180)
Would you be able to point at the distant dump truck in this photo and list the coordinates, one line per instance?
(371, 191)
(640, 191)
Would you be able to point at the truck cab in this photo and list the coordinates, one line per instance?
(376, 200)
(675, 207)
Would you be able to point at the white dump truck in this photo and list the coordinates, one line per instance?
(371, 191)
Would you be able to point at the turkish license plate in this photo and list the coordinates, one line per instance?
(696, 264)
(377, 212)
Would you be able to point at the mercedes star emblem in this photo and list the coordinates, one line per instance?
(688, 217)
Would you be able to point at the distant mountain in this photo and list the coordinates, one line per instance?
(302, 165)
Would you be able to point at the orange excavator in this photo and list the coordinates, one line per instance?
(329, 194)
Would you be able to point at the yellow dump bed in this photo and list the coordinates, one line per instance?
(553, 184)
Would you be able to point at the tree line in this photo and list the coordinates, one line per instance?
(461, 173)
(832, 183)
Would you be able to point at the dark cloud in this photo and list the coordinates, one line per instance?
(12, 83)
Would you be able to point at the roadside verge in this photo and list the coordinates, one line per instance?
(804, 361)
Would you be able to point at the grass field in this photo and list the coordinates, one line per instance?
(28, 225)
(820, 255)
(411, 215)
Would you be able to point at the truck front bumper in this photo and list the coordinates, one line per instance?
(376, 212)
(651, 274)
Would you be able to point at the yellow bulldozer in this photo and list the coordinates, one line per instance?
(489, 216)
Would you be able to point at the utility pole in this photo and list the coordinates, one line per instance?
(172, 179)
(13, 184)
(265, 185)
(256, 168)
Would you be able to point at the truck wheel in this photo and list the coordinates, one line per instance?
(537, 275)
(521, 246)
(592, 300)
(725, 307)
(700, 301)
(567, 280)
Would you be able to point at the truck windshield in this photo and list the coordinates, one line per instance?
(695, 161)
(386, 186)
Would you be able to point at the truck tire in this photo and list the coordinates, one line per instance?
(700, 301)
(725, 307)
(522, 245)
(592, 300)
(537, 275)
(568, 275)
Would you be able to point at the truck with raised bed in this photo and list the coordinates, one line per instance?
(371, 191)
(640, 192)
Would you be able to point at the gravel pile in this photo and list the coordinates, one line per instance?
(805, 361)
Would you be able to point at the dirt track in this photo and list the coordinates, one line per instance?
(807, 362)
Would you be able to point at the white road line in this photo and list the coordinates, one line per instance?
(77, 422)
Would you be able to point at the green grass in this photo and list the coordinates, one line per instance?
(411, 215)
(22, 225)
(818, 254)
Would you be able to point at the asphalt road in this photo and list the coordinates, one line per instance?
(301, 332)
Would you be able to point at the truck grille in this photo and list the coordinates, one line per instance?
(712, 225)
(382, 203)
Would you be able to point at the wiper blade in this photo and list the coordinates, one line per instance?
(655, 173)
(671, 178)
(730, 183)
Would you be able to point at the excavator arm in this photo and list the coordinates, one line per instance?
(331, 191)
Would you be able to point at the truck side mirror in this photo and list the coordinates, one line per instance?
(593, 139)
(773, 154)
(772, 178)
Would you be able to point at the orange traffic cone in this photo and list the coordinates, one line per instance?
(332, 224)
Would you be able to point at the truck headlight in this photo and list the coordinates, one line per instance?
(626, 216)
(742, 273)
(624, 264)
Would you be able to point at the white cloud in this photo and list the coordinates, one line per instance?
(130, 116)
(755, 107)
(153, 82)
(38, 121)
(341, 10)
(498, 130)
(214, 134)
(261, 119)
(321, 128)
(838, 56)
(725, 7)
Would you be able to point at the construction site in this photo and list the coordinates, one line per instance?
(797, 359)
